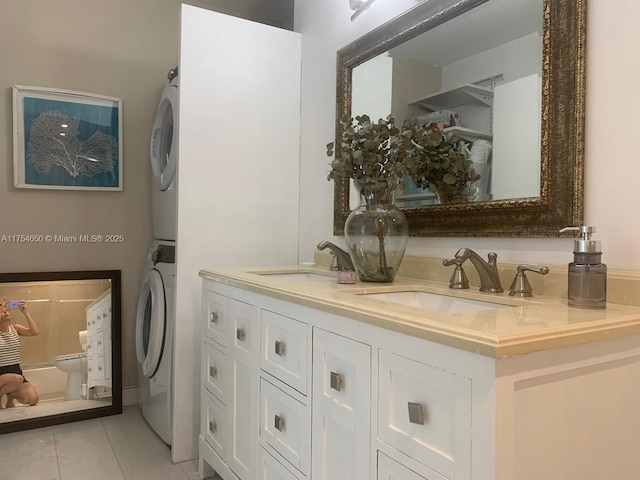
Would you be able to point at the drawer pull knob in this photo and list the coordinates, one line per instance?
(416, 414)
(213, 428)
(213, 317)
(278, 423)
(213, 372)
(240, 334)
(280, 348)
(336, 381)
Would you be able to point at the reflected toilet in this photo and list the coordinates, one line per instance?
(73, 365)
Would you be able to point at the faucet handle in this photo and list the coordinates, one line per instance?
(520, 287)
(458, 279)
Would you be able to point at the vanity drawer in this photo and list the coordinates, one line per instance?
(215, 310)
(425, 411)
(244, 320)
(271, 469)
(212, 423)
(389, 469)
(214, 371)
(284, 349)
(284, 425)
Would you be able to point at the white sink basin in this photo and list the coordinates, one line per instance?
(298, 276)
(435, 302)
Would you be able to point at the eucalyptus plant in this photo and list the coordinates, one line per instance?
(440, 163)
(379, 157)
(372, 154)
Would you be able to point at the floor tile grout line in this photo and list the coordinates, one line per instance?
(106, 432)
(55, 449)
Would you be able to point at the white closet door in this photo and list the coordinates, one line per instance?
(516, 143)
(237, 182)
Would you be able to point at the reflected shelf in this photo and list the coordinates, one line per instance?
(456, 97)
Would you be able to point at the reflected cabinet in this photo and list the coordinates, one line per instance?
(98, 342)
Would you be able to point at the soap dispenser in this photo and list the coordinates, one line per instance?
(587, 273)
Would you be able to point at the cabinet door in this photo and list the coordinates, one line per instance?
(284, 424)
(244, 358)
(284, 349)
(106, 330)
(213, 423)
(215, 322)
(425, 412)
(271, 469)
(341, 408)
(214, 370)
(389, 469)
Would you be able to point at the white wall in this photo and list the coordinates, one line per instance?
(612, 166)
(237, 175)
(373, 95)
(515, 59)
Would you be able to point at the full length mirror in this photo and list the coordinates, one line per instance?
(506, 77)
(68, 333)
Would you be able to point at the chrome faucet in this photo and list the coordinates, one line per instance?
(487, 271)
(343, 259)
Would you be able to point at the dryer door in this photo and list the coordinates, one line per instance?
(151, 323)
(164, 136)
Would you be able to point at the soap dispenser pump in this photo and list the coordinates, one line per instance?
(587, 274)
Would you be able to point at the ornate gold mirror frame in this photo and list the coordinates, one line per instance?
(562, 127)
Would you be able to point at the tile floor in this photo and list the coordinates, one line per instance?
(119, 447)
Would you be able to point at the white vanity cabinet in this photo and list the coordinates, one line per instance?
(292, 393)
(299, 393)
(99, 343)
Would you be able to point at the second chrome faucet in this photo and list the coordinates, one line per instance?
(487, 270)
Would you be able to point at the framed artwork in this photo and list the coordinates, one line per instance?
(66, 140)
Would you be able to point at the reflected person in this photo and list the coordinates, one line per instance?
(12, 381)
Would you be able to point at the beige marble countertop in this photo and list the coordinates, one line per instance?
(526, 325)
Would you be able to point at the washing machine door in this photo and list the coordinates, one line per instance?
(151, 323)
(164, 137)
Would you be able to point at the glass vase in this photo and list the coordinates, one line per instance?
(376, 233)
(455, 194)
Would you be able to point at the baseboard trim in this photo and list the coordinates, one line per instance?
(129, 396)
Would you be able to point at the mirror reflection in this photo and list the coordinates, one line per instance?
(478, 77)
(531, 167)
(70, 363)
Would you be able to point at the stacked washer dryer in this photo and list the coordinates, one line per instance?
(155, 317)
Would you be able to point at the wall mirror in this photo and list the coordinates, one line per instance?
(512, 72)
(74, 363)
